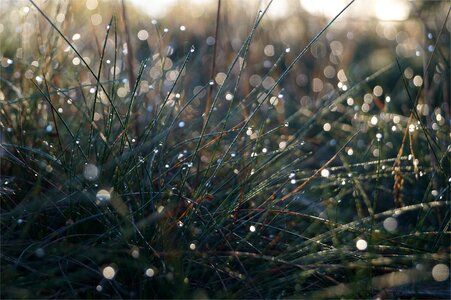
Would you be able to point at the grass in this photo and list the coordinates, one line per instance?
(138, 169)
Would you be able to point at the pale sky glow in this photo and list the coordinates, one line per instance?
(384, 10)
(328, 8)
(389, 10)
(155, 8)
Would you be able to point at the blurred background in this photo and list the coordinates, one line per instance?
(367, 38)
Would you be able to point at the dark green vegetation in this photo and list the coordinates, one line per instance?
(151, 168)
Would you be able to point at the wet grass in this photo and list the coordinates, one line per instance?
(161, 180)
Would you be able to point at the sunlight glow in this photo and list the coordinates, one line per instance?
(155, 8)
(384, 10)
(327, 8)
(392, 10)
(278, 9)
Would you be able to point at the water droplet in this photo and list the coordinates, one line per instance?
(192, 49)
(135, 252)
(287, 50)
(192, 246)
(99, 288)
(374, 120)
(109, 272)
(181, 124)
(229, 97)
(39, 79)
(390, 224)
(170, 276)
(91, 172)
(103, 196)
(150, 272)
(211, 82)
(252, 228)
(210, 41)
(39, 252)
(378, 136)
(325, 173)
(143, 35)
(361, 245)
(180, 224)
(49, 168)
(282, 145)
(182, 28)
(440, 272)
